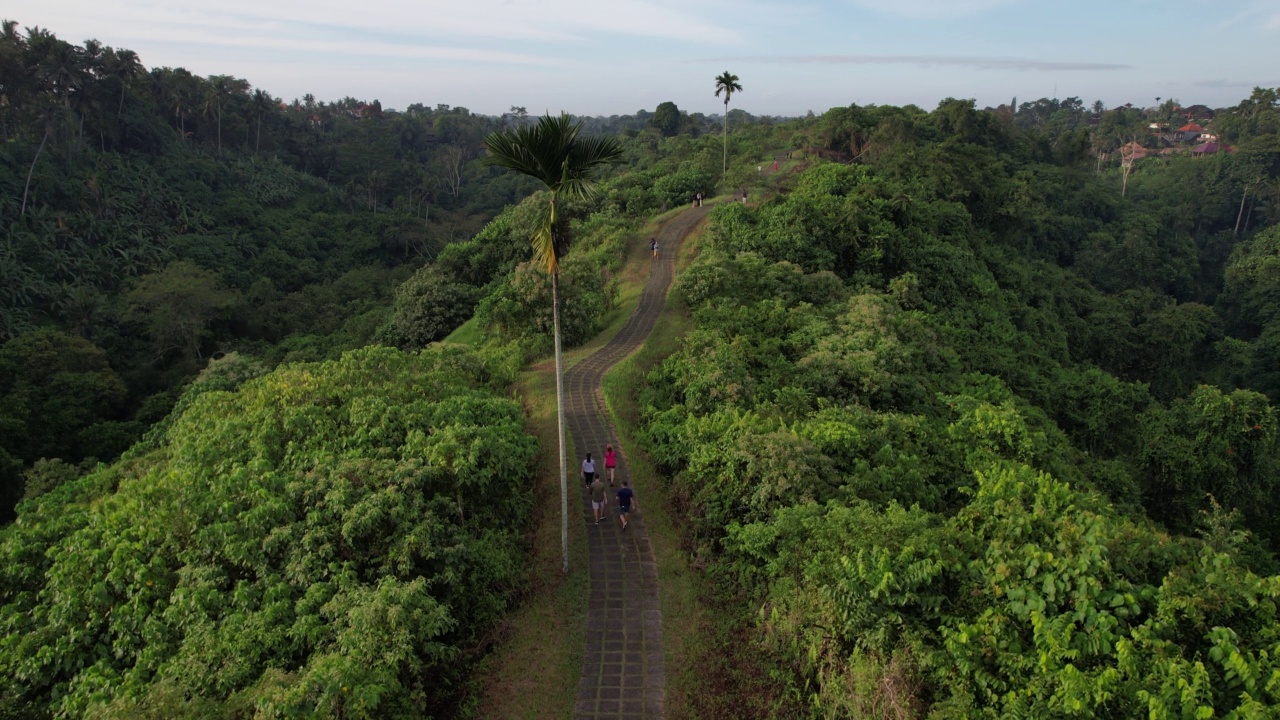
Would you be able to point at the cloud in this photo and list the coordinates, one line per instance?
(932, 9)
(449, 21)
(1233, 84)
(971, 63)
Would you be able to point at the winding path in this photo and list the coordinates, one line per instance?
(622, 675)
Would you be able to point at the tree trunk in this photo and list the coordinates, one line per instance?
(32, 169)
(564, 471)
(726, 136)
(1240, 213)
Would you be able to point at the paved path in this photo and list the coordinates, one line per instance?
(622, 668)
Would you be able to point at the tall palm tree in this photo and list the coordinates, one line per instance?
(727, 83)
(262, 102)
(125, 68)
(551, 152)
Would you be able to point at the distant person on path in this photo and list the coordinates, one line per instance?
(626, 502)
(653, 246)
(695, 199)
(744, 197)
(598, 498)
(775, 166)
(588, 470)
(610, 462)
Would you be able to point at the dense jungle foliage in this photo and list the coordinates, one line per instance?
(971, 435)
(330, 539)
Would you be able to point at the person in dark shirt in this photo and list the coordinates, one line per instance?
(598, 497)
(626, 503)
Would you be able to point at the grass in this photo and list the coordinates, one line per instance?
(533, 673)
(470, 333)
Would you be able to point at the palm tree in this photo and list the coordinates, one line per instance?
(218, 93)
(125, 69)
(551, 152)
(262, 102)
(728, 83)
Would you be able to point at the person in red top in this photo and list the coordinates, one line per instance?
(610, 462)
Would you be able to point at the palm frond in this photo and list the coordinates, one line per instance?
(551, 152)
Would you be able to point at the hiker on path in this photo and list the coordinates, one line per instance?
(598, 498)
(775, 166)
(610, 462)
(626, 503)
(653, 246)
(744, 197)
(588, 470)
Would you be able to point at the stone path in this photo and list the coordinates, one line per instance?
(622, 673)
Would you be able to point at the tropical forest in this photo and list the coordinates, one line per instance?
(935, 413)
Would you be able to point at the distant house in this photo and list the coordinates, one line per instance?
(1189, 133)
(1208, 148)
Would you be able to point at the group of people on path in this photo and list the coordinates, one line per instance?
(595, 484)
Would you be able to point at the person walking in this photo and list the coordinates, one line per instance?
(653, 246)
(626, 503)
(744, 197)
(588, 470)
(598, 498)
(699, 196)
(610, 462)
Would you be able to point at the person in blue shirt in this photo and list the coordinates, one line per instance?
(626, 503)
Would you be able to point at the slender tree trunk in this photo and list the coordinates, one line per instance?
(726, 136)
(564, 471)
(1240, 213)
(1249, 215)
(32, 169)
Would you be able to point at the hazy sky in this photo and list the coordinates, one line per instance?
(605, 57)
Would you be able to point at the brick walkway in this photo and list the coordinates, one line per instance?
(622, 668)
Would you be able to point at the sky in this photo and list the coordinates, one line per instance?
(613, 57)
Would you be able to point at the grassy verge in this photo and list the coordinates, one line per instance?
(533, 673)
